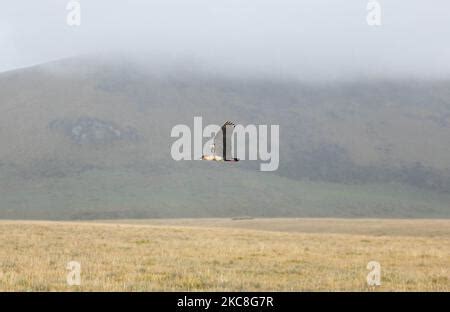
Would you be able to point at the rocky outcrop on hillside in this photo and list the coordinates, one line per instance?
(88, 130)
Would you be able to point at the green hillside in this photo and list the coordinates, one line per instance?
(86, 138)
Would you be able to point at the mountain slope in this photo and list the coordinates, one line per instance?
(87, 138)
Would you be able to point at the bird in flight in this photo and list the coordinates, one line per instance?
(221, 148)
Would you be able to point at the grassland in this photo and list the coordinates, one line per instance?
(218, 192)
(224, 254)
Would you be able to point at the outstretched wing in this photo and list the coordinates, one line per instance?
(222, 141)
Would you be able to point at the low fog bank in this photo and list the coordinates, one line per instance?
(308, 40)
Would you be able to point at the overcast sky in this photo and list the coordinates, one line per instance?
(311, 38)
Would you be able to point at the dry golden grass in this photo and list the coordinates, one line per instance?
(219, 254)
